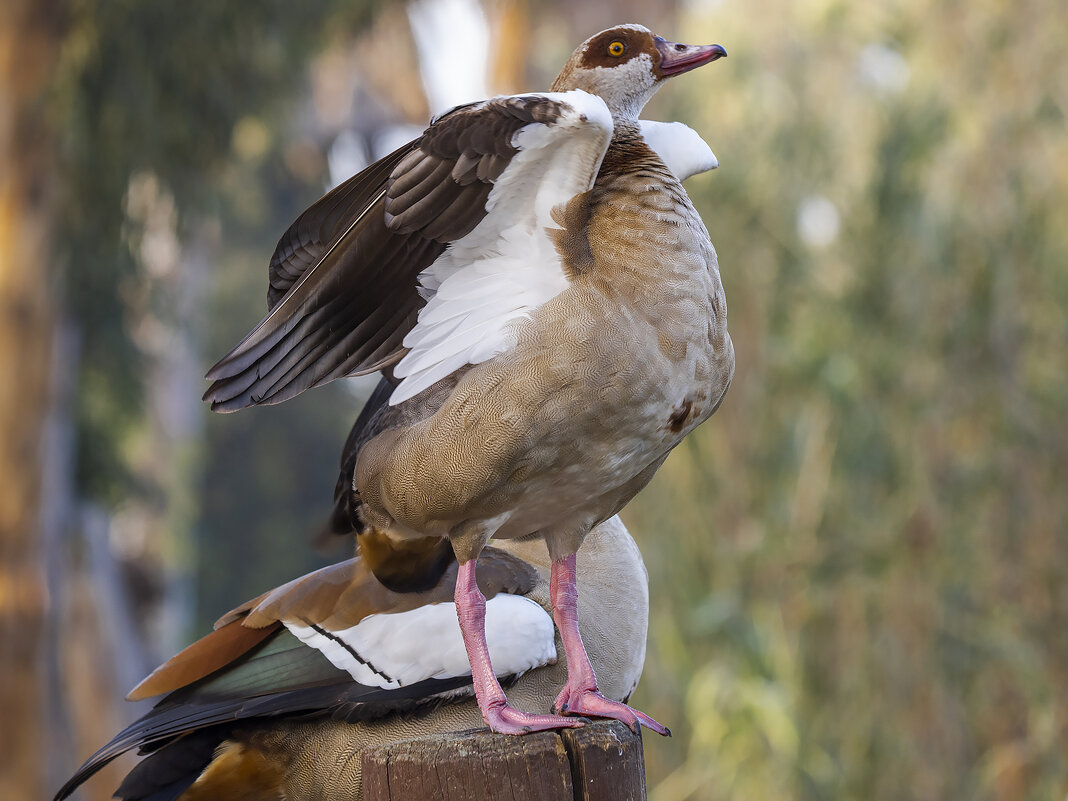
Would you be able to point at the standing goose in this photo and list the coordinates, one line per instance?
(546, 304)
(281, 698)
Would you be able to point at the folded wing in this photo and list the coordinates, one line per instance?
(334, 642)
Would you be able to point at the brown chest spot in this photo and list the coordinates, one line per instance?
(679, 415)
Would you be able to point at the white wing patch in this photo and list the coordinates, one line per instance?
(396, 650)
(485, 283)
(680, 147)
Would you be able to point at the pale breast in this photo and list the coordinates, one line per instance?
(616, 370)
(658, 273)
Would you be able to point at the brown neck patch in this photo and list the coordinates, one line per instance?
(573, 242)
(627, 151)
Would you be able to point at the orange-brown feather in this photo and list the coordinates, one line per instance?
(239, 772)
(201, 659)
(336, 597)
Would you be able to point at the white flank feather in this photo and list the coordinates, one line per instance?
(680, 147)
(484, 284)
(396, 650)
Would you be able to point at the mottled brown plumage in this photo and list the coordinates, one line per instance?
(520, 432)
(532, 417)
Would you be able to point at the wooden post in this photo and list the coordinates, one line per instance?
(599, 762)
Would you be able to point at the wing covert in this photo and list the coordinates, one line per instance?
(344, 279)
(507, 265)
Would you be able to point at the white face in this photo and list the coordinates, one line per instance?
(626, 88)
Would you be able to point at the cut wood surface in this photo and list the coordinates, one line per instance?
(601, 761)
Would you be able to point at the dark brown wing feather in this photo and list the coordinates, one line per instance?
(338, 596)
(343, 279)
(345, 519)
(440, 188)
(341, 595)
(322, 224)
(279, 676)
(346, 314)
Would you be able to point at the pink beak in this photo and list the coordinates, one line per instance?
(678, 58)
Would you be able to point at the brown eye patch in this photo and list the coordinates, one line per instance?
(614, 47)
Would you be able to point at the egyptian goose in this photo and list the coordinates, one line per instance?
(288, 689)
(534, 278)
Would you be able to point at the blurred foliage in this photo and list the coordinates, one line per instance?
(858, 564)
(160, 88)
(190, 113)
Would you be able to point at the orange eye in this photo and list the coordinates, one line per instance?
(616, 48)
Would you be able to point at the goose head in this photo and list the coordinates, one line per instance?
(625, 65)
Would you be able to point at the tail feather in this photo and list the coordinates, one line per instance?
(166, 773)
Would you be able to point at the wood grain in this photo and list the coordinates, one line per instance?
(598, 762)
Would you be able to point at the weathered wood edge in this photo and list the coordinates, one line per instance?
(601, 761)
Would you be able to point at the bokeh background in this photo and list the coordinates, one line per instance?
(858, 566)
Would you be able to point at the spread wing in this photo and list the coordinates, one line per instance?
(344, 280)
(508, 265)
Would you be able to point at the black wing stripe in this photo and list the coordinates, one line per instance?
(352, 652)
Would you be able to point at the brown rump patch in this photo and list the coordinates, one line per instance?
(414, 565)
(239, 772)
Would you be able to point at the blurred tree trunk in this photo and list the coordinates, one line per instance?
(29, 34)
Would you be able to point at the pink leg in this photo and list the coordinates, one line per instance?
(580, 695)
(501, 718)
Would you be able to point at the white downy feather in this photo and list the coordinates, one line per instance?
(483, 284)
(680, 147)
(396, 650)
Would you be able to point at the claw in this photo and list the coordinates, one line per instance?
(505, 719)
(590, 703)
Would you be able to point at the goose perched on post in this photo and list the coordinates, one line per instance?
(281, 698)
(534, 281)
